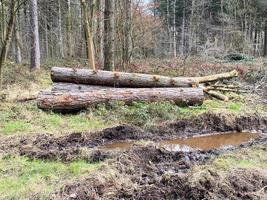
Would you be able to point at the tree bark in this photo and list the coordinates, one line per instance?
(118, 79)
(69, 30)
(87, 21)
(35, 46)
(60, 36)
(217, 77)
(101, 32)
(265, 40)
(75, 100)
(8, 36)
(109, 35)
(18, 45)
(127, 47)
(174, 31)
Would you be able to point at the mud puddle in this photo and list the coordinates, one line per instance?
(204, 142)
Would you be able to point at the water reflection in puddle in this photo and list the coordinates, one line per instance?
(205, 142)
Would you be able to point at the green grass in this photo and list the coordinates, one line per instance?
(14, 127)
(26, 118)
(21, 178)
(249, 158)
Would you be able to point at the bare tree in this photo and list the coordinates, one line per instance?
(88, 15)
(109, 35)
(60, 37)
(35, 46)
(8, 36)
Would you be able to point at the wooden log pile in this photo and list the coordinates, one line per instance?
(77, 89)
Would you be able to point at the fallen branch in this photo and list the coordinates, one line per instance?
(217, 77)
(217, 95)
(225, 89)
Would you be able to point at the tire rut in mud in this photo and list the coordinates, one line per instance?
(84, 145)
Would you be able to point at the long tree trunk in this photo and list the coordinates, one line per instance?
(60, 36)
(101, 31)
(8, 37)
(109, 35)
(3, 21)
(35, 46)
(18, 45)
(75, 100)
(127, 50)
(69, 30)
(222, 27)
(182, 43)
(87, 21)
(120, 79)
(46, 27)
(174, 30)
(265, 40)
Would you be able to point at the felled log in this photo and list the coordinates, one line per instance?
(226, 89)
(217, 77)
(73, 100)
(72, 87)
(217, 95)
(118, 79)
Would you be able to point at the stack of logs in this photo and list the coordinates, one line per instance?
(77, 89)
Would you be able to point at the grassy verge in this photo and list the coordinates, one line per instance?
(21, 178)
(26, 118)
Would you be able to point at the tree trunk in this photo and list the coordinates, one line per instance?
(75, 100)
(222, 28)
(8, 36)
(265, 40)
(109, 35)
(182, 47)
(216, 77)
(18, 45)
(69, 30)
(60, 36)
(101, 32)
(118, 79)
(88, 20)
(46, 32)
(35, 46)
(127, 50)
(3, 21)
(174, 30)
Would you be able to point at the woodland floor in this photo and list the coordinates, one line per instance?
(46, 155)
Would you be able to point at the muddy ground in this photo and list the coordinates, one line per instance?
(148, 171)
(85, 145)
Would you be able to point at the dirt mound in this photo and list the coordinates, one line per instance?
(152, 173)
(236, 184)
(211, 122)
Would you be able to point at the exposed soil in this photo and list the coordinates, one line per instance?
(85, 145)
(151, 173)
(211, 122)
